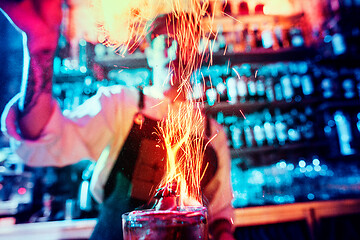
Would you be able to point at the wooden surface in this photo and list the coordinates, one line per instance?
(311, 212)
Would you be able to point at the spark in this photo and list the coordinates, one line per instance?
(242, 114)
(124, 25)
(236, 72)
(182, 132)
(231, 17)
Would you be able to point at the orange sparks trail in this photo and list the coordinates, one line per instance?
(182, 132)
(123, 25)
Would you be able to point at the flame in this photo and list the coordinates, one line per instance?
(182, 132)
(123, 25)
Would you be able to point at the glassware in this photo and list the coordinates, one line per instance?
(183, 224)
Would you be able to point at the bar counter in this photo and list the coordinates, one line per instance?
(311, 212)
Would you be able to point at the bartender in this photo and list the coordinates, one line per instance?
(115, 127)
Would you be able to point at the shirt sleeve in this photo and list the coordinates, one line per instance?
(219, 188)
(70, 137)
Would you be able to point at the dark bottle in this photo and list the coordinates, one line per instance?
(329, 85)
(293, 128)
(249, 133)
(278, 89)
(296, 82)
(278, 32)
(307, 124)
(347, 84)
(221, 89)
(269, 89)
(257, 36)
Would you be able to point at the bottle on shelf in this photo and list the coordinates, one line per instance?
(280, 127)
(343, 128)
(277, 87)
(249, 132)
(329, 86)
(237, 135)
(267, 38)
(287, 88)
(260, 86)
(251, 86)
(296, 82)
(306, 80)
(293, 129)
(269, 128)
(259, 131)
(231, 85)
(269, 88)
(347, 84)
(241, 87)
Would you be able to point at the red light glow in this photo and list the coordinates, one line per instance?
(22, 191)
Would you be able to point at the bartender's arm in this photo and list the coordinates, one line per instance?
(38, 21)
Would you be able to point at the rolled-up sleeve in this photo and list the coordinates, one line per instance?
(69, 138)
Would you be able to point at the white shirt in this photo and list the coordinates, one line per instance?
(97, 130)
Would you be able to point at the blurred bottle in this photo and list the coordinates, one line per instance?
(307, 84)
(237, 135)
(278, 89)
(287, 88)
(280, 127)
(308, 128)
(297, 39)
(259, 131)
(231, 85)
(242, 88)
(338, 41)
(251, 87)
(269, 88)
(257, 36)
(221, 89)
(293, 127)
(260, 86)
(249, 132)
(269, 128)
(278, 33)
(330, 133)
(348, 84)
(344, 133)
(296, 82)
(329, 85)
(267, 38)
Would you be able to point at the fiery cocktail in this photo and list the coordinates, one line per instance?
(186, 223)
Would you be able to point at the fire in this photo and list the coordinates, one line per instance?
(123, 25)
(183, 132)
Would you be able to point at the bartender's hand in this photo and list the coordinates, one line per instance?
(226, 236)
(221, 230)
(39, 19)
